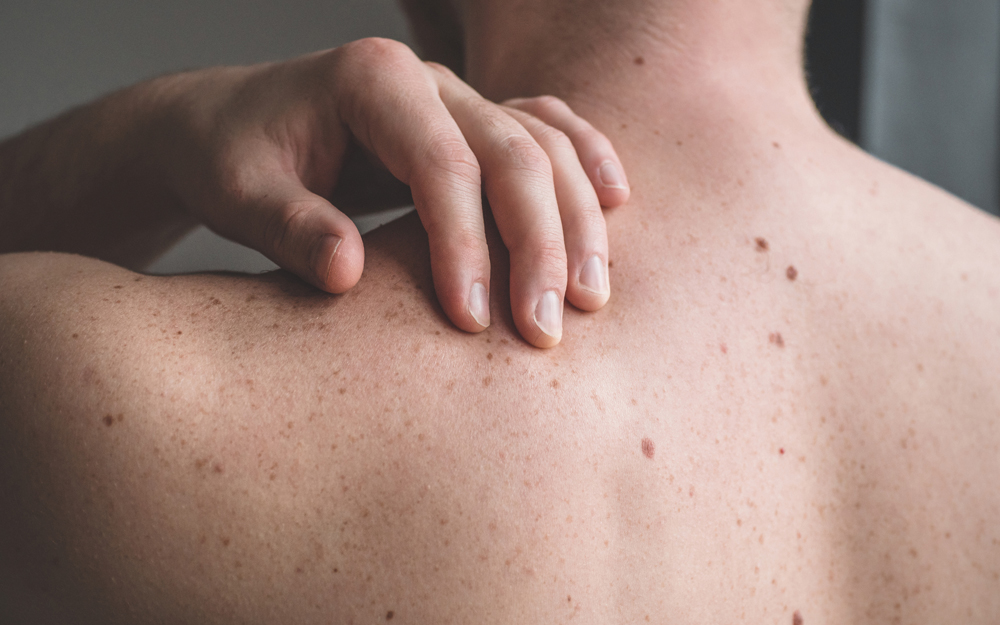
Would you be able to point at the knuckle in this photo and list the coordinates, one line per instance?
(282, 225)
(452, 158)
(374, 56)
(553, 137)
(441, 69)
(548, 105)
(523, 153)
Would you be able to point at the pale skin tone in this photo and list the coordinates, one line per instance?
(787, 412)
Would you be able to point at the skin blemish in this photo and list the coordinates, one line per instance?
(723, 348)
(487, 381)
(554, 384)
(489, 356)
(639, 60)
(782, 451)
(108, 420)
(389, 615)
(762, 244)
(225, 541)
(648, 448)
(218, 468)
(791, 273)
(611, 263)
(118, 286)
(797, 618)
(76, 336)
(341, 390)
(777, 146)
(776, 339)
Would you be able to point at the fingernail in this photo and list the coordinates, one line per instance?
(479, 304)
(612, 176)
(594, 275)
(325, 243)
(548, 314)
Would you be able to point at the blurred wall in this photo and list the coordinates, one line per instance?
(931, 91)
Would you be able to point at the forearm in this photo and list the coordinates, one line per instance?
(83, 182)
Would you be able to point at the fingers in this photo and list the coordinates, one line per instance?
(420, 143)
(588, 286)
(305, 234)
(519, 184)
(594, 150)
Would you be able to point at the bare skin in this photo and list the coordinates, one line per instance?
(787, 412)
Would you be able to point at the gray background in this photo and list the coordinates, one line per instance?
(929, 104)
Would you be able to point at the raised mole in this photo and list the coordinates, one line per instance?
(648, 448)
(791, 273)
(797, 618)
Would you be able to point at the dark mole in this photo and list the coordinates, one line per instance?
(569, 598)
(777, 339)
(762, 244)
(76, 336)
(389, 615)
(792, 272)
(118, 286)
(797, 618)
(610, 263)
(639, 60)
(108, 420)
(648, 448)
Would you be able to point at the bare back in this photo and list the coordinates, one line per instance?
(787, 413)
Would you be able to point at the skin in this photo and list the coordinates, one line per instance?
(727, 439)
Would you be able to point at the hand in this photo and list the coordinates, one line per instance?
(262, 149)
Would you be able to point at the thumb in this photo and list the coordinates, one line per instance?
(306, 235)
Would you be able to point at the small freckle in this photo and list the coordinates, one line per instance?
(76, 336)
(791, 273)
(648, 448)
(762, 244)
(487, 381)
(225, 541)
(776, 339)
(118, 286)
(291, 424)
(489, 356)
(389, 615)
(776, 145)
(341, 390)
(554, 384)
(299, 570)
(639, 60)
(569, 598)
(437, 332)
(217, 468)
(108, 420)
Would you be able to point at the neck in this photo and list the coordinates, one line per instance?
(638, 55)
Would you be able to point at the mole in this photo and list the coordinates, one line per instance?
(389, 615)
(791, 273)
(777, 339)
(776, 145)
(648, 448)
(782, 451)
(797, 618)
(639, 60)
(762, 244)
(108, 420)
